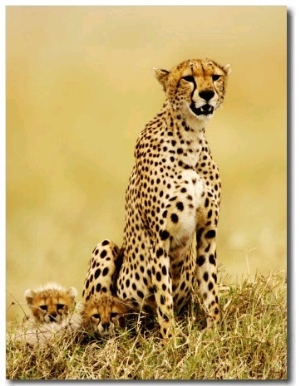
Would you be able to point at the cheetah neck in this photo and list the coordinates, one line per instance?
(188, 134)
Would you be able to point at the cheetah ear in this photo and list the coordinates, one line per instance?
(227, 69)
(161, 76)
(72, 292)
(29, 295)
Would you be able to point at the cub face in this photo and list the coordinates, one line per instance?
(101, 313)
(195, 87)
(51, 303)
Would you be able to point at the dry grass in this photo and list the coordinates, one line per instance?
(250, 344)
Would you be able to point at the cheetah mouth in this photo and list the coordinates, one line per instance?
(203, 110)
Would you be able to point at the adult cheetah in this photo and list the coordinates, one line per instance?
(173, 198)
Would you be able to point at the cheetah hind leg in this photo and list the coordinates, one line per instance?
(103, 270)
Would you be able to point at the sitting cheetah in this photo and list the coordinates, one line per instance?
(173, 199)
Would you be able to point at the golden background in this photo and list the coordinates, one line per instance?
(79, 91)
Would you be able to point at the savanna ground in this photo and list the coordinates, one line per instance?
(79, 91)
(250, 344)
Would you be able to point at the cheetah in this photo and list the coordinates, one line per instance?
(101, 314)
(101, 310)
(51, 312)
(173, 198)
(51, 303)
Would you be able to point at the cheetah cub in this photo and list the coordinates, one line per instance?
(100, 310)
(51, 303)
(101, 314)
(51, 312)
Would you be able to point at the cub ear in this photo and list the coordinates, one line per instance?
(29, 295)
(227, 69)
(72, 292)
(162, 76)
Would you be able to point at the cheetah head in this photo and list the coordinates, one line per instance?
(51, 303)
(101, 313)
(195, 87)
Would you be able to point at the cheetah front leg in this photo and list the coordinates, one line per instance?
(162, 286)
(206, 270)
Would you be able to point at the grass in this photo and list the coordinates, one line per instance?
(251, 343)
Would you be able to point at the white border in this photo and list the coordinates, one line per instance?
(294, 47)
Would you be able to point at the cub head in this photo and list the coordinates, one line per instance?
(51, 303)
(101, 313)
(195, 87)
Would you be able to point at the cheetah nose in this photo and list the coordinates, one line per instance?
(52, 317)
(105, 326)
(206, 94)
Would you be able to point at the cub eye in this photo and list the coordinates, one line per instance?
(60, 306)
(215, 77)
(188, 78)
(96, 316)
(44, 308)
(114, 314)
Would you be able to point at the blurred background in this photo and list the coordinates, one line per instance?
(80, 90)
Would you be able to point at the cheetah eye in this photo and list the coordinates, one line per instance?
(96, 316)
(44, 308)
(114, 314)
(215, 77)
(188, 78)
(60, 306)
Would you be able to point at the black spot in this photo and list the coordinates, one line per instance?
(103, 253)
(134, 286)
(200, 260)
(212, 259)
(210, 286)
(164, 235)
(97, 273)
(159, 252)
(140, 294)
(162, 299)
(209, 213)
(206, 202)
(205, 276)
(127, 283)
(158, 276)
(105, 271)
(105, 242)
(87, 283)
(214, 277)
(98, 287)
(137, 276)
(96, 252)
(174, 218)
(179, 150)
(216, 310)
(210, 234)
(164, 270)
(182, 286)
(180, 206)
(199, 234)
